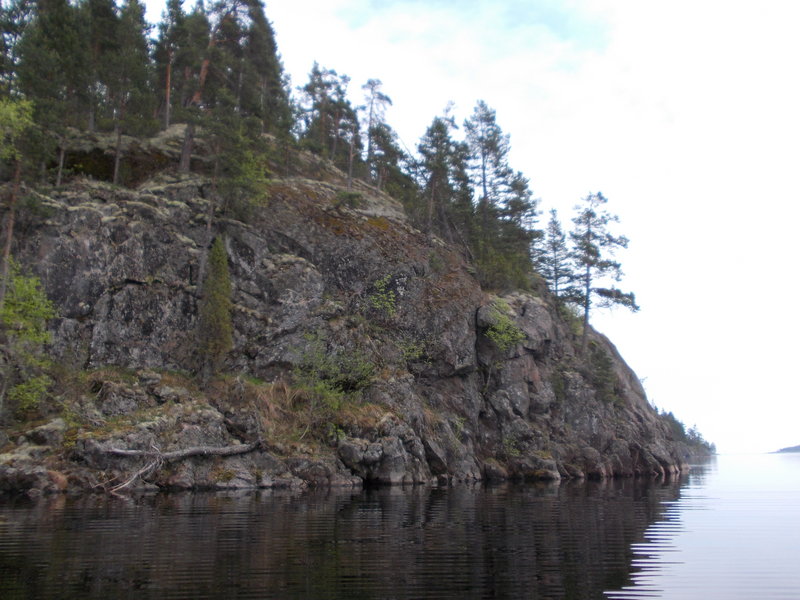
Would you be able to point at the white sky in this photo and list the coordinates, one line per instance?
(686, 115)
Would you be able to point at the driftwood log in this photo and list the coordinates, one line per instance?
(158, 458)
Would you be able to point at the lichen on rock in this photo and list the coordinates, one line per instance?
(462, 385)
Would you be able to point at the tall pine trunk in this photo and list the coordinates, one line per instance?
(62, 152)
(587, 298)
(186, 150)
(168, 90)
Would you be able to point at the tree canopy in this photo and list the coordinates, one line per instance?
(96, 65)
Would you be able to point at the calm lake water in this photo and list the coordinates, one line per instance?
(731, 529)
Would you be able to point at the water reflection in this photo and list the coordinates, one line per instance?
(568, 541)
(731, 534)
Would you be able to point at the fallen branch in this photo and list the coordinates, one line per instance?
(158, 458)
(188, 452)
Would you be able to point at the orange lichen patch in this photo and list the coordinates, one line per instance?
(338, 225)
(381, 223)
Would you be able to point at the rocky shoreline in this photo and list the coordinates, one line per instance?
(423, 392)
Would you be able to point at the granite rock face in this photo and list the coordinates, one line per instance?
(313, 277)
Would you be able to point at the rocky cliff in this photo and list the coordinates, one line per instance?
(363, 351)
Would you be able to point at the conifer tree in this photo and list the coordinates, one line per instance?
(215, 328)
(101, 33)
(391, 164)
(438, 151)
(593, 248)
(263, 91)
(172, 38)
(216, 68)
(376, 103)
(553, 259)
(489, 147)
(53, 72)
(15, 16)
(129, 85)
(331, 125)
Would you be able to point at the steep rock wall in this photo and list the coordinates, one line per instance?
(314, 276)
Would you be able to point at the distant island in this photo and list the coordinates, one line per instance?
(790, 449)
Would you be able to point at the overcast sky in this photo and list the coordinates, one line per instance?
(684, 114)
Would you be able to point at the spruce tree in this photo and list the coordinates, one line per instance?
(554, 260)
(214, 327)
(593, 247)
(263, 90)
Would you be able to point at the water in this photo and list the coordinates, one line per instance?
(734, 532)
(729, 530)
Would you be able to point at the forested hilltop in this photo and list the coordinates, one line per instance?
(199, 261)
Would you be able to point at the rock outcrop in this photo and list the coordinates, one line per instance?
(322, 282)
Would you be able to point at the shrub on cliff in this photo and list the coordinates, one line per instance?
(24, 314)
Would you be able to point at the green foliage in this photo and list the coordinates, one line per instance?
(559, 386)
(593, 249)
(23, 328)
(27, 396)
(413, 350)
(349, 199)
(503, 332)
(511, 447)
(568, 312)
(554, 260)
(500, 270)
(435, 262)
(692, 436)
(383, 298)
(331, 375)
(26, 309)
(214, 329)
(602, 376)
(15, 117)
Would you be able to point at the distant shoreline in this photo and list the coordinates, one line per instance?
(787, 450)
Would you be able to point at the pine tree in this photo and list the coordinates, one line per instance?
(331, 126)
(172, 38)
(489, 147)
(215, 328)
(218, 65)
(101, 31)
(376, 103)
(53, 71)
(129, 85)
(593, 248)
(391, 164)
